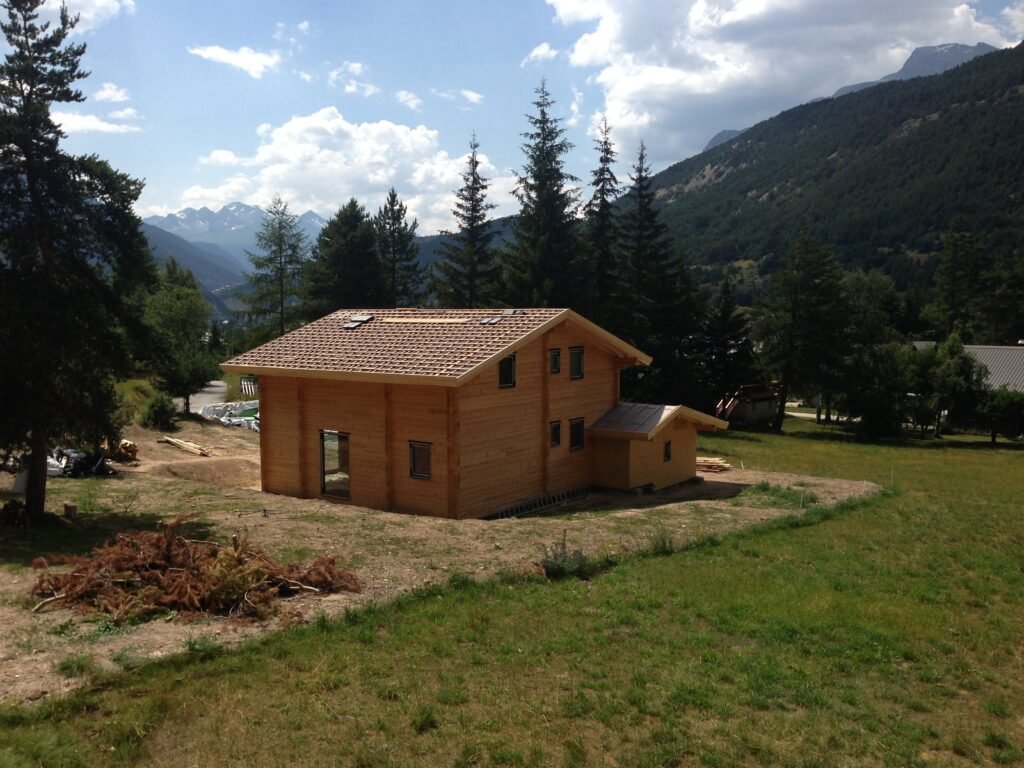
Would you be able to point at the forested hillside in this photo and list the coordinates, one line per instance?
(880, 174)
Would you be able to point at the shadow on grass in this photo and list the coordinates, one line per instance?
(906, 440)
(20, 546)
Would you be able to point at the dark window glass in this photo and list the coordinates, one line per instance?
(575, 434)
(666, 452)
(419, 459)
(556, 360)
(507, 371)
(334, 476)
(555, 428)
(576, 362)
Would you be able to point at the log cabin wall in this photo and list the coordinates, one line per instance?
(505, 450)
(647, 465)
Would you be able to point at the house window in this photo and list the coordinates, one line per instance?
(334, 477)
(419, 459)
(507, 372)
(575, 362)
(555, 358)
(575, 434)
(666, 451)
(555, 430)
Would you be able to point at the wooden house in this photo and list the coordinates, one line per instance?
(459, 413)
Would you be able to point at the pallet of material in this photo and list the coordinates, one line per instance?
(712, 464)
(185, 445)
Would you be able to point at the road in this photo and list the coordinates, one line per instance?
(213, 392)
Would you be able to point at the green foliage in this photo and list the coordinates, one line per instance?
(345, 270)
(179, 318)
(398, 253)
(596, 268)
(467, 275)
(537, 264)
(882, 172)
(159, 412)
(76, 665)
(73, 262)
(274, 282)
(562, 562)
(1003, 411)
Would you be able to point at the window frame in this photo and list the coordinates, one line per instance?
(338, 435)
(666, 451)
(501, 362)
(555, 360)
(573, 424)
(555, 433)
(413, 446)
(573, 351)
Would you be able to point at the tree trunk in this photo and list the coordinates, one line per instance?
(828, 408)
(781, 413)
(35, 494)
(817, 412)
(186, 404)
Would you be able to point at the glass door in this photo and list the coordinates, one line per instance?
(334, 478)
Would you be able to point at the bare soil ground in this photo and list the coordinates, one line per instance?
(392, 553)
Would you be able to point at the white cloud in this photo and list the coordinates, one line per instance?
(1014, 16)
(543, 52)
(253, 63)
(472, 96)
(73, 122)
(303, 27)
(318, 161)
(306, 77)
(409, 99)
(128, 113)
(678, 71)
(344, 77)
(575, 107)
(111, 92)
(463, 95)
(91, 13)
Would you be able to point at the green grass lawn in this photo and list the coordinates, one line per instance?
(883, 633)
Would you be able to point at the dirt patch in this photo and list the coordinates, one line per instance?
(237, 472)
(390, 553)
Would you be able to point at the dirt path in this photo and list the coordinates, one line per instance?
(392, 553)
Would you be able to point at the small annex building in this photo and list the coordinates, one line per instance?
(459, 413)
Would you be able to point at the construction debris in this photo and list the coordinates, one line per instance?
(146, 574)
(186, 445)
(241, 414)
(712, 464)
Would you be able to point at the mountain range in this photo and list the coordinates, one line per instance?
(880, 174)
(922, 62)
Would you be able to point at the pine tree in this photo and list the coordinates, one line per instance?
(345, 271)
(399, 253)
(959, 280)
(74, 264)
(803, 325)
(537, 266)
(467, 273)
(274, 282)
(656, 306)
(728, 354)
(596, 268)
(179, 318)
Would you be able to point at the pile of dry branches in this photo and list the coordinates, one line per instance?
(140, 575)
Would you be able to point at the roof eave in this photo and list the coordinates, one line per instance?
(359, 376)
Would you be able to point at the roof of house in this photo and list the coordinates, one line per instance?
(436, 346)
(1005, 363)
(642, 421)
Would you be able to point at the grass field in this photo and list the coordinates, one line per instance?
(883, 633)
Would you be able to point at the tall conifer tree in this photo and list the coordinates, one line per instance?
(73, 261)
(466, 275)
(399, 253)
(274, 281)
(537, 265)
(595, 273)
(345, 271)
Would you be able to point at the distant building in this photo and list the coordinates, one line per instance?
(1005, 364)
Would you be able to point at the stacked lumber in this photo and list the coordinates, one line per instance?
(186, 445)
(712, 464)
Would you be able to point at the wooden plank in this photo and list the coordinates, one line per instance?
(454, 462)
(545, 441)
(304, 438)
(389, 463)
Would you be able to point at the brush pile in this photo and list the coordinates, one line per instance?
(146, 574)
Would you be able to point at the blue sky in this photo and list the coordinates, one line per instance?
(212, 102)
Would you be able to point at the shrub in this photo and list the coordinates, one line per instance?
(560, 562)
(158, 412)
